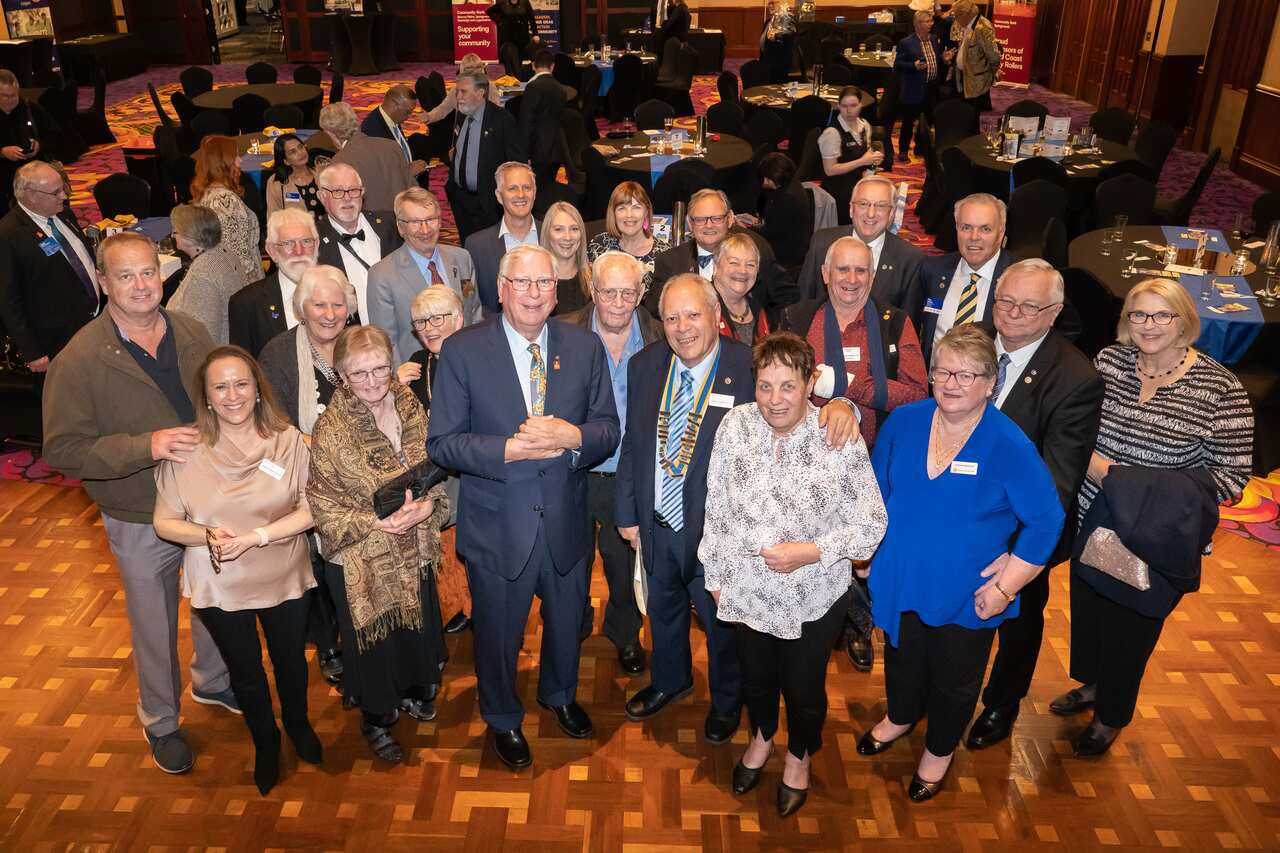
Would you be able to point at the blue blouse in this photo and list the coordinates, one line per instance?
(944, 532)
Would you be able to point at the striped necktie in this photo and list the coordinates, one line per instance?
(671, 507)
(1000, 376)
(968, 309)
(537, 381)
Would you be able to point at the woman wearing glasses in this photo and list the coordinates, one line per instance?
(1167, 406)
(381, 571)
(628, 227)
(990, 505)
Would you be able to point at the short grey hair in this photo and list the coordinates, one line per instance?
(500, 172)
(708, 193)
(614, 259)
(522, 252)
(868, 179)
(1034, 266)
(436, 299)
(849, 242)
(198, 224)
(339, 121)
(739, 241)
(982, 198)
(964, 7)
(415, 195)
(316, 276)
(290, 216)
(708, 290)
(477, 77)
(922, 15)
(325, 168)
(24, 179)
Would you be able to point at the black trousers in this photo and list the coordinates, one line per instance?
(471, 211)
(909, 113)
(936, 672)
(622, 618)
(322, 616)
(236, 635)
(1020, 640)
(1110, 647)
(796, 672)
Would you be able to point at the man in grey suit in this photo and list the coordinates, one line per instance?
(422, 261)
(896, 263)
(380, 162)
(516, 191)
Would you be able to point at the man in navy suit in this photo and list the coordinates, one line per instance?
(523, 409)
(920, 68)
(484, 137)
(661, 497)
(385, 122)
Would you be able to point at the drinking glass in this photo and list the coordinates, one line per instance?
(1271, 291)
(1237, 228)
(1107, 234)
(862, 48)
(1121, 221)
(1170, 256)
(1271, 252)
(1201, 237)
(1240, 262)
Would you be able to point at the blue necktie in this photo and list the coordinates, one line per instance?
(1004, 367)
(77, 266)
(704, 261)
(672, 506)
(404, 143)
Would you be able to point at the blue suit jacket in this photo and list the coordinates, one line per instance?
(375, 125)
(646, 379)
(477, 404)
(935, 277)
(914, 84)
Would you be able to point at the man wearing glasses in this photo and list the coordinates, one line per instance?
(523, 408)
(895, 263)
(264, 309)
(1053, 393)
(422, 261)
(352, 240)
(617, 285)
(47, 287)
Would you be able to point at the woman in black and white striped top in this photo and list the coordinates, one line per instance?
(1166, 406)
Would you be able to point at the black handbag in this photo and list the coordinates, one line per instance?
(419, 479)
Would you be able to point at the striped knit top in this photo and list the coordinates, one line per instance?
(1202, 420)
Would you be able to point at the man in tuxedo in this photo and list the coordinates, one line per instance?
(379, 162)
(895, 263)
(351, 239)
(264, 309)
(539, 123)
(516, 190)
(398, 104)
(662, 490)
(484, 137)
(959, 288)
(710, 219)
(421, 262)
(1052, 392)
(27, 132)
(47, 287)
(523, 409)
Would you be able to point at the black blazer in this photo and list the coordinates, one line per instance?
(773, 288)
(935, 277)
(788, 221)
(539, 123)
(375, 125)
(679, 20)
(499, 143)
(1057, 403)
(42, 300)
(331, 251)
(646, 378)
(486, 249)
(255, 314)
(896, 281)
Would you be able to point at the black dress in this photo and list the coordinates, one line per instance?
(515, 23)
(569, 296)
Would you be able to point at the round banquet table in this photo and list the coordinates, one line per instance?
(222, 97)
(779, 97)
(868, 59)
(994, 176)
(636, 162)
(1226, 336)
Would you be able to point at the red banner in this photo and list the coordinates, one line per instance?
(473, 31)
(1015, 25)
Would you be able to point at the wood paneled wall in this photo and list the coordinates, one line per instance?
(1095, 57)
(1257, 152)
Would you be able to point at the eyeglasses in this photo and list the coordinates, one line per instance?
(60, 191)
(964, 378)
(523, 283)
(307, 243)
(419, 223)
(619, 294)
(879, 206)
(382, 371)
(341, 192)
(1030, 309)
(1160, 318)
(436, 320)
(718, 219)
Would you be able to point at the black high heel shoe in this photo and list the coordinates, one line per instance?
(790, 799)
(921, 790)
(746, 778)
(869, 744)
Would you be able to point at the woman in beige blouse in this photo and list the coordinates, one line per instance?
(238, 505)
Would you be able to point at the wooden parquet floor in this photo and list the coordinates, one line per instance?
(1199, 769)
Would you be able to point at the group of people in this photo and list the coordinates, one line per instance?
(768, 445)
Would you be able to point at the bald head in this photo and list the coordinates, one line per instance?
(38, 187)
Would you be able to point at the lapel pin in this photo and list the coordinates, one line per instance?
(1026, 379)
(555, 363)
(728, 380)
(326, 239)
(1033, 373)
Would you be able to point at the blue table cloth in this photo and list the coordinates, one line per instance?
(658, 164)
(1225, 337)
(1177, 236)
(606, 77)
(255, 165)
(156, 228)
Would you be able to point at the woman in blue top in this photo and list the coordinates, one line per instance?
(973, 516)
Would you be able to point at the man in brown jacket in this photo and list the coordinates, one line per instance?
(117, 401)
(977, 55)
(379, 162)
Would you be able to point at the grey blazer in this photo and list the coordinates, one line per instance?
(395, 280)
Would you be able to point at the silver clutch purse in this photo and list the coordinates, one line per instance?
(1106, 553)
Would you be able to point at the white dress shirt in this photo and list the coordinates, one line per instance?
(77, 244)
(951, 302)
(699, 371)
(397, 135)
(369, 249)
(1018, 360)
(709, 271)
(287, 288)
(524, 359)
(876, 246)
(510, 241)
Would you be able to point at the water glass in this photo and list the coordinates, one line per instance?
(1170, 256)
(862, 47)
(1271, 291)
(1240, 262)
(1206, 287)
(1271, 252)
(1121, 221)
(1105, 250)
(1237, 229)
(1201, 238)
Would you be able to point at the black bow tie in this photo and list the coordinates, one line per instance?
(359, 235)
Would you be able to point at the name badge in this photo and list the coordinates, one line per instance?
(271, 469)
(969, 468)
(933, 305)
(50, 247)
(721, 401)
(893, 348)
(853, 353)
(293, 196)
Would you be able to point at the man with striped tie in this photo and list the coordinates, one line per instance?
(960, 287)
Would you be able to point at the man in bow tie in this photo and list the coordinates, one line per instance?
(351, 239)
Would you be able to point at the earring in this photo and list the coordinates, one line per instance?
(257, 399)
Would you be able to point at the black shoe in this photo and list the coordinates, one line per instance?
(422, 710)
(330, 665)
(1070, 703)
(572, 719)
(266, 763)
(631, 659)
(306, 744)
(512, 749)
(919, 790)
(992, 726)
(790, 799)
(745, 778)
(720, 727)
(1092, 742)
(457, 624)
(868, 744)
(861, 652)
(382, 742)
(651, 700)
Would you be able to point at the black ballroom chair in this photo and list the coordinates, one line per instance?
(196, 81)
(1113, 124)
(123, 193)
(651, 114)
(1155, 140)
(1178, 211)
(1030, 208)
(1127, 195)
(261, 72)
(247, 112)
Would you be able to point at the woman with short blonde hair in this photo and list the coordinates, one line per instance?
(1178, 300)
